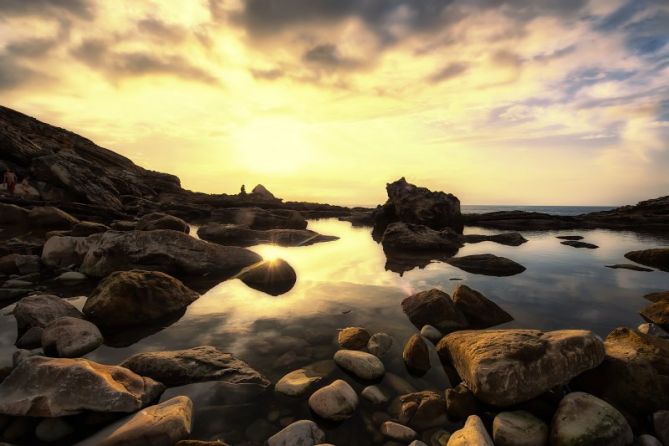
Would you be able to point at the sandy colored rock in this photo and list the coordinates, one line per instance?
(361, 364)
(472, 434)
(353, 338)
(421, 410)
(335, 402)
(657, 313)
(298, 382)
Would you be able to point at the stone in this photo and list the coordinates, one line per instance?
(50, 217)
(417, 443)
(135, 297)
(647, 440)
(431, 333)
(460, 402)
(407, 237)
(506, 367)
(8, 264)
(656, 297)
(31, 339)
(337, 401)
(66, 251)
(579, 244)
(379, 344)
(298, 382)
(507, 238)
(11, 214)
(422, 410)
(353, 338)
(416, 356)
(193, 365)
(656, 258)
(38, 310)
(71, 276)
(657, 313)
(661, 425)
(158, 220)
(440, 438)
(479, 311)
(519, 428)
(433, 307)
(487, 264)
(361, 364)
(70, 337)
(570, 237)
(629, 266)
(472, 434)
(161, 425)
(653, 330)
(375, 395)
(273, 277)
(234, 235)
(86, 228)
(27, 264)
(51, 430)
(299, 433)
(397, 431)
(584, 419)
(56, 387)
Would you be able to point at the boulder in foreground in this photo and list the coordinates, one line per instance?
(656, 258)
(487, 264)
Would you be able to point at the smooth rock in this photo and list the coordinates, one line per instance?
(298, 382)
(431, 333)
(31, 339)
(299, 433)
(417, 443)
(519, 428)
(487, 264)
(472, 434)
(361, 364)
(353, 338)
(416, 355)
(71, 276)
(507, 238)
(433, 307)
(375, 395)
(70, 337)
(40, 309)
(379, 344)
(158, 220)
(274, 277)
(397, 431)
(479, 311)
(335, 402)
(234, 235)
(647, 440)
(582, 419)
(656, 258)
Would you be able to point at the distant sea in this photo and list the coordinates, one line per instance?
(554, 210)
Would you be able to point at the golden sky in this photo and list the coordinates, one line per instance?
(496, 101)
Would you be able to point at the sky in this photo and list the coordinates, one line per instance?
(496, 101)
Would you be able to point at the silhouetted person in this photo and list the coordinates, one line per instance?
(10, 181)
(243, 191)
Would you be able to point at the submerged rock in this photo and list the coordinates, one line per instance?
(578, 244)
(407, 237)
(335, 402)
(197, 364)
(274, 277)
(416, 356)
(487, 264)
(473, 433)
(353, 338)
(40, 309)
(656, 297)
(570, 237)
(70, 337)
(158, 220)
(630, 267)
(433, 307)
(234, 235)
(298, 382)
(302, 433)
(506, 238)
(479, 311)
(656, 258)
(379, 344)
(519, 428)
(361, 364)
(56, 387)
(506, 367)
(422, 410)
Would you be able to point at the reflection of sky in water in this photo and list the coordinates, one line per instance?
(344, 283)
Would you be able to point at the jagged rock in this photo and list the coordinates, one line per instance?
(361, 364)
(70, 337)
(519, 428)
(227, 234)
(416, 356)
(298, 382)
(299, 433)
(421, 410)
(473, 433)
(507, 238)
(161, 425)
(397, 431)
(505, 367)
(197, 364)
(335, 402)
(256, 218)
(487, 264)
(433, 307)
(584, 419)
(657, 313)
(379, 344)
(656, 258)
(56, 387)
(460, 402)
(40, 309)
(353, 338)
(86, 228)
(479, 311)
(408, 237)
(578, 244)
(158, 220)
(274, 277)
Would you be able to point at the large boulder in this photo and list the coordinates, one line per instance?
(257, 218)
(407, 237)
(158, 220)
(479, 311)
(273, 277)
(135, 297)
(65, 251)
(234, 235)
(506, 367)
(657, 258)
(411, 204)
(56, 387)
(582, 419)
(197, 364)
(40, 309)
(334, 402)
(161, 425)
(299, 433)
(472, 434)
(487, 264)
(70, 337)
(433, 307)
(634, 375)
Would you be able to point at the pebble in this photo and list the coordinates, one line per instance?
(397, 431)
(361, 364)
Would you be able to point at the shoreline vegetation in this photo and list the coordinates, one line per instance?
(91, 222)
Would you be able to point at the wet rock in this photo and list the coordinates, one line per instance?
(431, 333)
(257, 218)
(416, 356)
(201, 443)
(40, 309)
(51, 430)
(273, 277)
(69, 337)
(161, 425)
(407, 237)
(460, 402)
(578, 244)
(505, 367)
(335, 402)
(65, 251)
(584, 419)
(375, 395)
(45, 387)
(507, 238)
(302, 433)
(50, 217)
(629, 266)
(298, 382)
(661, 425)
(433, 307)
(657, 313)
(653, 330)
(487, 264)
(422, 410)
(158, 220)
(136, 297)
(353, 338)
(361, 364)
(647, 440)
(234, 235)
(379, 344)
(197, 364)
(570, 237)
(31, 339)
(397, 431)
(519, 428)
(479, 311)
(71, 276)
(398, 384)
(656, 258)
(86, 228)
(473, 433)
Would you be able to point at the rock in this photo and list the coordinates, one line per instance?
(353, 338)
(577, 244)
(197, 364)
(397, 431)
(273, 277)
(299, 433)
(661, 426)
(416, 356)
(656, 258)
(487, 264)
(433, 307)
(64, 251)
(407, 237)
(417, 443)
(570, 237)
(234, 235)
(653, 330)
(262, 193)
(298, 382)
(629, 266)
(635, 373)
(8, 264)
(656, 297)
(431, 333)
(17, 283)
(51, 430)
(647, 440)
(31, 339)
(418, 205)
(506, 367)
(11, 215)
(136, 297)
(257, 218)
(70, 337)
(161, 425)
(460, 402)
(27, 264)
(335, 402)
(379, 344)
(50, 217)
(472, 434)
(124, 225)
(440, 438)
(201, 443)
(71, 276)
(86, 228)
(507, 238)
(584, 419)
(422, 410)
(479, 311)
(361, 364)
(657, 313)
(519, 428)
(45, 387)
(40, 309)
(375, 395)
(158, 220)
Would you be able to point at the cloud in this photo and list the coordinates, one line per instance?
(450, 71)
(328, 56)
(13, 74)
(267, 74)
(46, 8)
(32, 47)
(165, 31)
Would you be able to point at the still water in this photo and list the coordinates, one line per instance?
(345, 283)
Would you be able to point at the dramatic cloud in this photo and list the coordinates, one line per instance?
(81, 8)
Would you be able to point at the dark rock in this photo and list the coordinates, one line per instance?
(661, 425)
(420, 410)
(570, 237)
(69, 337)
(400, 236)
(31, 339)
(40, 309)
(66, 251)
(577, 244)
(460, 402)
(479, 311)
(507, 238)
(353, 338)
(86, 228)
(656, 297)
(124, 225)
(302, 433)
(257, 218)
(416, 355)
(50, 217)
(358, 219)
(262, 193)
(657, 313)
(657, 258)
(158, 220)
(234, 235)
(629, 266)
(273, 277)
(433, 307)
(8, 264)
(13, 215)
(487, 264)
